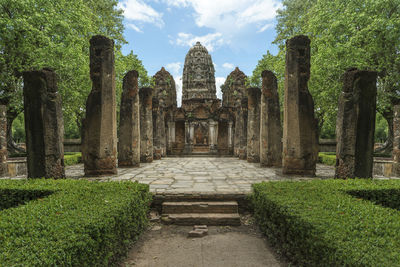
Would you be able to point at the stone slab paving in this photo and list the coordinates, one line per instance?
(206, 175)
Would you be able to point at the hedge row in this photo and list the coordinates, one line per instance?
(327, 158)
(72, 158)
(69, 222)
(332, 222)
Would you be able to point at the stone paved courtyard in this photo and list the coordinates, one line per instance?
(189, 175)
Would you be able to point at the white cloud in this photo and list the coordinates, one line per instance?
(210, 41)
(134, 27)
(140, 12)
(228, 16)
(174, 68)
(265, 27)
(218, 82)
(228, 66)
(178, 84)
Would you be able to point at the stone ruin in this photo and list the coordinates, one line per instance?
(300, 133)
(99, 128)
(270, 122)
(146, 124)
(129, 123)
(253, 125)
(44, 126)
(247, 124)
(234, 90)
(164, 103)
(355, 125)
(3, 141)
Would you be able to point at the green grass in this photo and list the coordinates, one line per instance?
(332, 222)
(69, 222)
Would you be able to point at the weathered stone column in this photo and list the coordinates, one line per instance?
(157, 135)
(355, 126)
(99, 128)
(238, 129)
(44, 126)
(396, 141)
(211, 130)
(270, 123)
(3, 141)
(230, 136)
(129, 122)
(253, 123)
(191, 133)
(243, 133)
(300, 135)
(146, 124)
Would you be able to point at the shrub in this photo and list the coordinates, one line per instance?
(70, 222)
(72, 158)
(324, 223)
(327, 158)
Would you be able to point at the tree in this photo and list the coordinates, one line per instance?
(344, 34)
(53, 33)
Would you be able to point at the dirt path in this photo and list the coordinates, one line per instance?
(170, 246)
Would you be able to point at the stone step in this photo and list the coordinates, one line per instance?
(200, 207)
(232, 219)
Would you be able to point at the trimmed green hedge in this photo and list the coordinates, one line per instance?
(72, 158)
(70, 222)
(327, 158)
(331, 222)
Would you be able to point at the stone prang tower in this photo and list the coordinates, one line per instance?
(198, 74)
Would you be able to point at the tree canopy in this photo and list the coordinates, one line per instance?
(56, 33)
(344, 33)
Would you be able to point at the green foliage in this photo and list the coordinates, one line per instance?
(321, 223)
(72, 158)
(327, 158)
(381, 129)
(80, 223)
(38, 33)
(344, 34)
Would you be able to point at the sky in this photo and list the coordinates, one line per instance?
(235, 32)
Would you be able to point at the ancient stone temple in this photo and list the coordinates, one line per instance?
(197, 121)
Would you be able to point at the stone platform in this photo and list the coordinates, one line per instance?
(200, 175)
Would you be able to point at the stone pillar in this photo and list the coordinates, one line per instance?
(300, 135)
(253, 123)
(44, 126)
(230, 137)
(3, 141)
(211, 133)
(191, 133)
(238, 129)
(270, 122)
(157, 135)
(146, 124)
(355, 126)
(396, 141)
(129, 123)
(99, 128)
(243, 132)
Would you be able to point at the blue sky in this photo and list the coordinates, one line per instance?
(236, 33)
